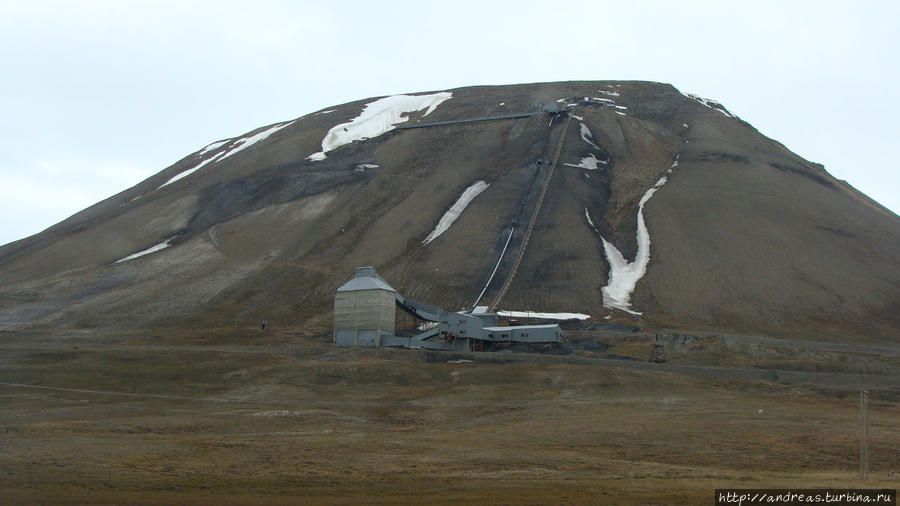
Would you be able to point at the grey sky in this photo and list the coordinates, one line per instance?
(98, 95)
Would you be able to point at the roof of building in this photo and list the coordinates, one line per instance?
(365, 278)
(520, 327)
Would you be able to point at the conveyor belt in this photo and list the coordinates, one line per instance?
(534, 215)
(469, 120)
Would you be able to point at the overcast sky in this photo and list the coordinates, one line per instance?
(98, 95)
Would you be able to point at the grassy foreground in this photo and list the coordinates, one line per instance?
(312, 423)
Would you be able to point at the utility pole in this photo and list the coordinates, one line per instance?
(863, 434)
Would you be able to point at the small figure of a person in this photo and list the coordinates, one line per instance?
(264, 324)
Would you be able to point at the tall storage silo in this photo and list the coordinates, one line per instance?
(364, 310)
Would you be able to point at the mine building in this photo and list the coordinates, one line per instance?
(367, 311)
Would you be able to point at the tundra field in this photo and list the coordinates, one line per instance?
(280, 418)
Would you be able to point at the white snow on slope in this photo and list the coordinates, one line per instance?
(235, 147)
(586, 135)
(213, 146)
(588, 216)
(624, 275)
(190, 171)
(708, 102)
(545, 316)
(377, 118)
(590, 162)
(456, 209)
(246, 142)
(151, 249)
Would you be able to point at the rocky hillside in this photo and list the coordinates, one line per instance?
(624, 200)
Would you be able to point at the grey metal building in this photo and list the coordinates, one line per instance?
(364, 310)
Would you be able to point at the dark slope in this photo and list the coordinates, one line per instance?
(745, 236)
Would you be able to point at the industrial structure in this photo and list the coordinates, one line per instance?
(658, 352)
(367, 311)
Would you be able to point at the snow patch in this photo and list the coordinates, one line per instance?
(588, 216)
(246, 142)
(364, 167)
(590, 162)
(609, 93)
(378, 118)
(456, 209)
(586, 135)
(190, 171)
(624, 275)
(151, 249)
(235, 147)
(329, 111)
(543, 316)
(213, 146)
(708, 102)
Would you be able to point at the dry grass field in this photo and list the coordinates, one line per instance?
(289, 421)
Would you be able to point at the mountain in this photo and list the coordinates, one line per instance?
(627, 201)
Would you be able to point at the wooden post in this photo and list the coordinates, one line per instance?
(863, 434)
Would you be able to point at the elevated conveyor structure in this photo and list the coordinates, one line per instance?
(553, 110)
(519, 243)
(537, 210)
(467, 120)
(419, 310)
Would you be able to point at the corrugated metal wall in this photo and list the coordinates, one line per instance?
(361, 317)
